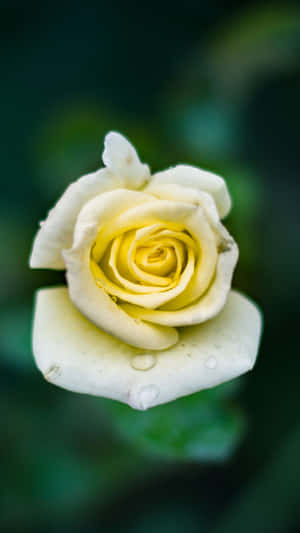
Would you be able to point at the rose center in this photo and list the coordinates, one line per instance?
(151, 260)
(157, 260)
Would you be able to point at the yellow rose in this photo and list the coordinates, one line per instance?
(144, 255)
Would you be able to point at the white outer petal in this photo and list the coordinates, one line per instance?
(178, 193)
(56, 232)
(122, 159)
(189, 176)
(74, 354)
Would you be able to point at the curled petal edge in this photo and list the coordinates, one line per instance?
(196, 178)
(122, 159)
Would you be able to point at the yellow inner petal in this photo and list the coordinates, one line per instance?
(159, 265)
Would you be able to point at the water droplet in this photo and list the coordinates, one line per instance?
(143, 362)
(114, 299)
(211, 362)
(144, 397)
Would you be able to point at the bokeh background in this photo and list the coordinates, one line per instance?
(208, 83)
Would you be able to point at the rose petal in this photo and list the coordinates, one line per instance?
(74, 354)
(121, 158)
(178, 193)
(194, 177)
(196, 289)
(56, 232)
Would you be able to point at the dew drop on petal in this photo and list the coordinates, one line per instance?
(146, 396)
(211, 362)
(143, 362)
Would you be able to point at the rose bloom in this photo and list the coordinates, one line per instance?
(148, 314)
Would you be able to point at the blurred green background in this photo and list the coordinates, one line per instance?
(207, 83)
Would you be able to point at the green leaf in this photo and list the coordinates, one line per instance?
(199, 427)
